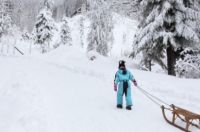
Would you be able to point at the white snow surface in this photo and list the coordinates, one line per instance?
(63, 91)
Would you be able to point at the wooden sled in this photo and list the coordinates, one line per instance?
(182, 114)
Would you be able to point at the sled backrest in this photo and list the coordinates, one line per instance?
(185, 113)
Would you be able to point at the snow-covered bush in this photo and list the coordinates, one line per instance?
(188, 65)
(65, 33)
(93, 55)
(26, 35)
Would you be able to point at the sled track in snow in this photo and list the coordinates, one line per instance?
(77, 70)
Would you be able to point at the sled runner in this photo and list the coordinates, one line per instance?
(189, 118)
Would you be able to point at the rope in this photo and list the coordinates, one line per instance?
(153, 98)
(144, 92)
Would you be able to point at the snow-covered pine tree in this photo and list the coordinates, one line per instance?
(100, 36)
(65, 33)
(44, 28)
(165, 26)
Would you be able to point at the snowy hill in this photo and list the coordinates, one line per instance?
(63, 91)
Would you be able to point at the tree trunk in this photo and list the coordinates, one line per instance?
(171, 60)
(149, 65)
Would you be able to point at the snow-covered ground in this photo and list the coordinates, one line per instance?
(63, 91)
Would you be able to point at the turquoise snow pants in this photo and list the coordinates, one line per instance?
(121, 93)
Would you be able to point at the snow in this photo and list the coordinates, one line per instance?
(124, 31)
(63, 91)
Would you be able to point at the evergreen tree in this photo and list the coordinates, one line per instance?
(44, 28)
(100, 36)
(65, 33)
(165, 26)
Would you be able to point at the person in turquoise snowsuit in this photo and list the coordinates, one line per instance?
(123, 86)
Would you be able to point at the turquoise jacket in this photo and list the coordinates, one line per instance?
(119, 77)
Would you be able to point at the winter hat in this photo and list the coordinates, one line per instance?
(122, 63)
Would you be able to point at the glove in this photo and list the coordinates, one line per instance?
(135, 82)
(115, 87)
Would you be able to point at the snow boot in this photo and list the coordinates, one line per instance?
(128, 108)
(119, 106)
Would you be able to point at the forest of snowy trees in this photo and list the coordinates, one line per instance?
(168, 33)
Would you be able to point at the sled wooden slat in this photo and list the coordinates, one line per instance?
(184, 115)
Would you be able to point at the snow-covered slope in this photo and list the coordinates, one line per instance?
(63, 91)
